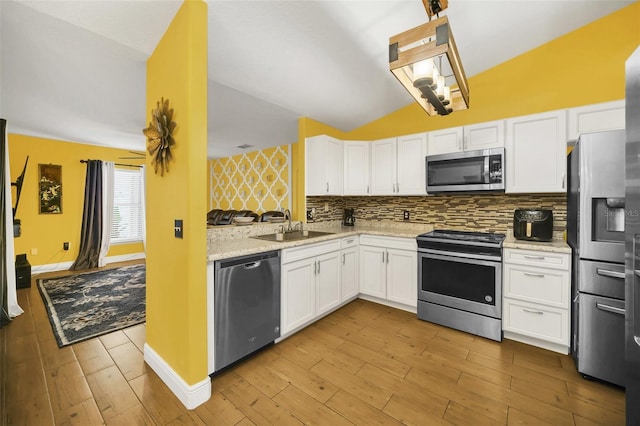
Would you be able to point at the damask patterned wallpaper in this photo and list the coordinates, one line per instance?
(257, 181)
(490, 213)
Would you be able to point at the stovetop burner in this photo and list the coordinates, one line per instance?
(464, 237)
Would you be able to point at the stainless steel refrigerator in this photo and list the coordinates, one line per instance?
(632, 237)
(595, 232)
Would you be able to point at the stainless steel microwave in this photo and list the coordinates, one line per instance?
(466, 171)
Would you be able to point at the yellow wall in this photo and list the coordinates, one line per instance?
(583, 67)
(256, 181)
(176, 268)
(47, 232)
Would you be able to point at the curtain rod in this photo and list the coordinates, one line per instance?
(116, 164)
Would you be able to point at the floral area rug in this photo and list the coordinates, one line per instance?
(91, 304)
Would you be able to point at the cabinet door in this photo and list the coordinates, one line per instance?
(536, 153)
(315, 165)
(373, 271)
(298, 294)
(412, 150)
(350, 269)
(402, 276)
(595, 118)
(333, 167)
(356, 168)
(383, 167)
(484, 135)
(445, 141)
(328, 288)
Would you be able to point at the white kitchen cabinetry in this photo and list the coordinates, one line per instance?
(595, 118)
(389, 270)
(536, 298)
(484, 135)
(445, 141)
(398, 165)
(536, 153)
(323, 165)
(356, 168)
(350, 268)
(311, 283)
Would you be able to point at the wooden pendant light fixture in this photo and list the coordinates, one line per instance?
(426, 62)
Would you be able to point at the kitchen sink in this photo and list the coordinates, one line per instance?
(292, 236)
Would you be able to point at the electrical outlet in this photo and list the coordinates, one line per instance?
(405, 215)
(65, 245)
(34, 251)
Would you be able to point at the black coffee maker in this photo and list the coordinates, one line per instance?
(349, 219)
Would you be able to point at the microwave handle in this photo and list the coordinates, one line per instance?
(485, 174)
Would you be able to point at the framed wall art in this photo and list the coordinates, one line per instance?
(50, 181)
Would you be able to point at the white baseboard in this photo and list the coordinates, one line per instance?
(190, 395)
(63, 266)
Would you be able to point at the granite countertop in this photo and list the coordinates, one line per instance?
(227, 248)
(557, 245)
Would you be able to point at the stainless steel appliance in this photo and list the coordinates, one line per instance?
(466, 171)
(246, 306)
(460, 281)
(632, 238)
(595, 232)
(533, 224)
(349, 218)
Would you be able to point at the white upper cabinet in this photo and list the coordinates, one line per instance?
(323, 165)
(595, 118)
(484, 135)
(445, 141)
(397, 165)
(536, 153)
(384, 163)
(356, 168)
(412, 150)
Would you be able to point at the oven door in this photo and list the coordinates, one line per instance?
(472, 284)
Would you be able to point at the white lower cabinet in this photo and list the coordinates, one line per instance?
(536, 298)
(389, 270)
(311, 278)
(350, 268)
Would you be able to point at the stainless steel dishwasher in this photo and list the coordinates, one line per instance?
(246, 305)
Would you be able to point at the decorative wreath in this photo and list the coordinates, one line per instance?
(159, 138)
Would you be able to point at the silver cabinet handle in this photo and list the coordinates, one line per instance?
(534, 257)
(531, 311)
(612, 309)
(387, 256)
(318, 267)
(367, 189)
(398, 188)
(327, 186)
(529, 274)
(343, 257)
(564, 180)
(382, 257)
(609, 273)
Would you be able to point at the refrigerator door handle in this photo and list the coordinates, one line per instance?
(609, 273)
(612, 309)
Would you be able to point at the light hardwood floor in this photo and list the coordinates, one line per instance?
(364, 364)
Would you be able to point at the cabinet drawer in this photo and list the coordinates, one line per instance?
(541, 322)
(351, 241)
(389, 242)
(538, 285)
(537, 258)
(309, 250)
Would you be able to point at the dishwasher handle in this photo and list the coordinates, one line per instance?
(253, 265)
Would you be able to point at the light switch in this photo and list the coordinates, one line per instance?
(177, 228)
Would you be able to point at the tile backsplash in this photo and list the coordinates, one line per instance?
(490, 213)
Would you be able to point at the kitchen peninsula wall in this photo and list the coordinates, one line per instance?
(257, 181)
(491, 212)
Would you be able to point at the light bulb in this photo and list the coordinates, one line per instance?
(436, 74)
(423, 73)
(447, 95)
(440, 88)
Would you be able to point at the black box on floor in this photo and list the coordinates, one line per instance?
(23, 271)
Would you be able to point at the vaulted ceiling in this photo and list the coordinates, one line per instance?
(75, 70)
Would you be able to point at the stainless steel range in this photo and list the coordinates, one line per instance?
(460, 281)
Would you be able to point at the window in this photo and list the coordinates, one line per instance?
(127, 223)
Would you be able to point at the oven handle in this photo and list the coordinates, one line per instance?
(443, 254)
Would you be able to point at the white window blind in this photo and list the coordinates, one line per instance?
(127, 222)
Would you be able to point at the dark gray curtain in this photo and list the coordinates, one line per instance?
(4, 315)
(91, 236)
